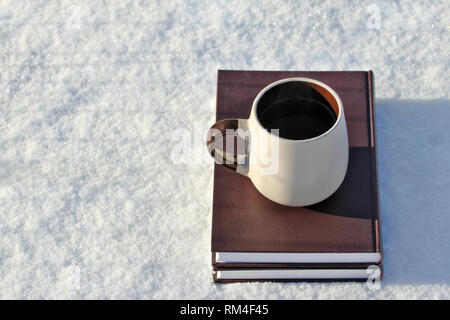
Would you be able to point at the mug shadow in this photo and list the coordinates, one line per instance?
(414, 179)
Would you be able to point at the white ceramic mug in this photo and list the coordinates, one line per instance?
(289, 171)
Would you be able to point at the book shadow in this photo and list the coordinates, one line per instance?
(413, 150)
(414, 178)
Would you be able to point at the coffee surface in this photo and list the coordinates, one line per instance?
(298, 118)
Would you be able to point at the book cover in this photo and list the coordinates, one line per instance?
(347, 223)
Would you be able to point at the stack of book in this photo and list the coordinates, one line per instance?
(255, 239)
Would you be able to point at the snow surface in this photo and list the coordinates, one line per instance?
(92, 204)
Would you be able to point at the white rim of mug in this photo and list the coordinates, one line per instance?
(298, 79)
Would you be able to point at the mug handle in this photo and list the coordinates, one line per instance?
(233, 160)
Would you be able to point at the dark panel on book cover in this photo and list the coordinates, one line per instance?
(246, 221)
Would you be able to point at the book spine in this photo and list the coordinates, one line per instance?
(373, 164)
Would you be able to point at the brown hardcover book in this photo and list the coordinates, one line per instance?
(337, 238)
